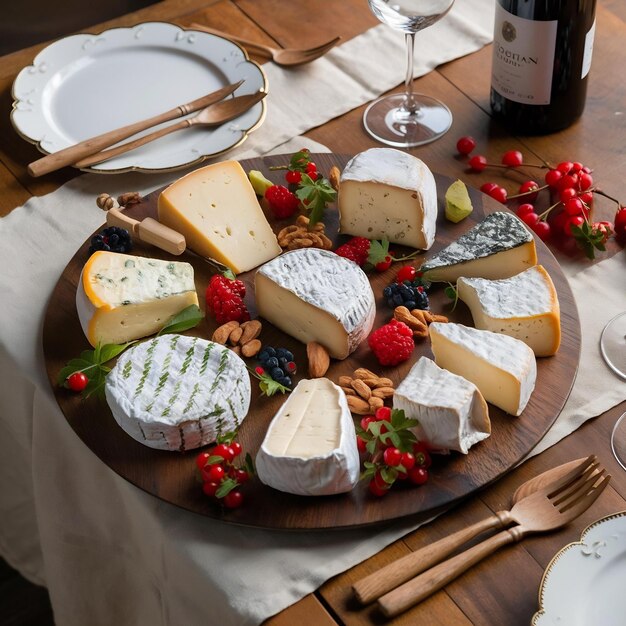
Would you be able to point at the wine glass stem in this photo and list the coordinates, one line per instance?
(410, 105)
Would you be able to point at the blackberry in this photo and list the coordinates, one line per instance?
(111, 239)
(406, 293)
(278, 364)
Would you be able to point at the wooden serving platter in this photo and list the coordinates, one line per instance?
(173, 476)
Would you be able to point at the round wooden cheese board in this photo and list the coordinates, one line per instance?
(173, 476)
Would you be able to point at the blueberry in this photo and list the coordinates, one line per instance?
(286, 381)
(263, 355)
(422, 301)
(288, 355)
(282, 361)
(114, 239)
(277, 373)
(397, 300)
(410, 304)
(280, 352)
(387, 291)
(270, 351)
(405, 292)
(272, 362)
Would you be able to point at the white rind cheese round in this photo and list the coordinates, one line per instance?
(316, 295)
(451, 411)
(310, 446)
(387, 193)
(178, 393)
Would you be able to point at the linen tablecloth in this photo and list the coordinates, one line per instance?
(110, 553)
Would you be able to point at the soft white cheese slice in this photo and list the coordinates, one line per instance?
(386, 193)
(524, 306)
(122, 297)
(451, 411)
(315, 295)
(503, 368)
(217, 211)
(497, 247)
(310, 446)
(178, 393)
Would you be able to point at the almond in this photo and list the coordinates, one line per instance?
(345, 381)
(384, 382)
(334, 175)
(222, 333)
(235, 336)
(251, 330)
(371, 382)
(362, 389)
(383, 392)
(236, 350)
(319, 359)
(252, 348)
(349, 391)
(375, 403)
(363, 373)
(358, 405)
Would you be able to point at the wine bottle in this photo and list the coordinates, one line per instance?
(541, 58)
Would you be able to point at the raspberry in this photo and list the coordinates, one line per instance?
(224, 298)
(282, 202)
(356, 249)
(392, 343)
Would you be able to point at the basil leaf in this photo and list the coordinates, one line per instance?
(186, 319)
(111, 350)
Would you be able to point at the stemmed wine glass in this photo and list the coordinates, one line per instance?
(613, 348)
(408, 119)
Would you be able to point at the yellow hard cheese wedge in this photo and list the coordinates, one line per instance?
(217, 211)
(458, 203)
(122, 297)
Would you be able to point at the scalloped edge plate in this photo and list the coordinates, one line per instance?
(86, 84)
(584, 582)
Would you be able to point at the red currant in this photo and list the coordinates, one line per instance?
(383, 414)
(213, 473)
(559, 220)
(365, 421)
(465, 145)
(420, 446)
(423, 459)
(575, 220)
(361, 444)
(376, 490)
(542, 229)
(418, 475)
(586, 197)
(383, 266)
(293, 176)
(576, 166)
(553, 177)
(201, 459)
(478, 163)
(620, 223)
(527, 187)
(573, 206)
(565, 167)
(530, 218)
(567, 194)
(488, 187)
(235, 446)
(311, 170)
(241, 476)
(392, 456)
(512, 158)
(210, 488)
(585, 181)
(226, 452)
(568, 180)
(499, 194)
(407, 461)
(524, 209)
(408, 272)
(259, 370)
(77, 381)
(233, 499)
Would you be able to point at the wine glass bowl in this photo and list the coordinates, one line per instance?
(408, 119)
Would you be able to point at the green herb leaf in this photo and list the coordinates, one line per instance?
(111, 350)
(228, 273)
(186, 319)
(300, 160)
(589, 239)
(378, 252)
(315, 195)
(453, 294)
(226, 486)
(249, 465)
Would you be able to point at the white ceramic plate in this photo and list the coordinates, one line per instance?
(85, 85)
(585, 582)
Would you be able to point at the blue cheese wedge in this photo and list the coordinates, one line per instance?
(451, 411)
(178, 393)
(310, 446)
(388, 194)
(503, 368)
(315, 295)
(498, 247)
(525, 306)
(122, 297)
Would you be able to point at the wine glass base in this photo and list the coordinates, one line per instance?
(386, 121)
(613, 344)
(618, 440)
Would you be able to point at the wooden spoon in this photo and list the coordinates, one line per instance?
(287, 57)
(389, 577)
(213, 115)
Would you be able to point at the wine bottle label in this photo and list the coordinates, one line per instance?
(523, 57)
(589, 37)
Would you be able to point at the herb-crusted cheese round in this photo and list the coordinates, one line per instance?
(178, 393)
(316, 295)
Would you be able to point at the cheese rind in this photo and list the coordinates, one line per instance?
(315, 295)
(386, 193)
(503, 368)
(525, 306)
(178, 393)
(310, 445)
(497, 247)
(121, 297)
(451, 411)
(217, 211)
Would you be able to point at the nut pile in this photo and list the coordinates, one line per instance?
(366, 391)
(299, 236)
(417, 320)
(241, 338)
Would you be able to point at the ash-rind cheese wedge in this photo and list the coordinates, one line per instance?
(497, 247)
(121, 297)
(524, 306)
(217, 211)
(310, 446)
(386, 193)
(315, 295)
(503, 368)
(451, 411)
(178, 393)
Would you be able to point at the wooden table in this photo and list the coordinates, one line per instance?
(502, 590)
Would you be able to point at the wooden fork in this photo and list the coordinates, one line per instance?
(287, 57)
(542, 511)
